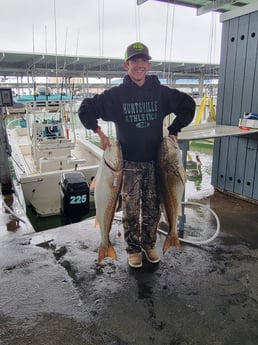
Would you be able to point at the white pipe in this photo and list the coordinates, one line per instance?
(13, 213)
(217, 229)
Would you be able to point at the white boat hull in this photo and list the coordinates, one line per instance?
(42, 191)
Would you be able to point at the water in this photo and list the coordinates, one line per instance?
(200, 224)
(51, 222)
(200, 187)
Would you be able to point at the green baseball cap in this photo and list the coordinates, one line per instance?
(137, 49)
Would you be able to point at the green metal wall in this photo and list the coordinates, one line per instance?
(235, 160)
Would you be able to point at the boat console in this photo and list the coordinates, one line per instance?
(51, 150)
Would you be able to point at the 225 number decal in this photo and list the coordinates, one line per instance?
(78, 199)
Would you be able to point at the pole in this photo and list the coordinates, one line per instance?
(5, 151)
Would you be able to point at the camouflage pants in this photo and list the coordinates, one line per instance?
(141, 205)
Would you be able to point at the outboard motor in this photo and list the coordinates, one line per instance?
(75, 196)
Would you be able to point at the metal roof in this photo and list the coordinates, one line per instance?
(24, 64)
(40, 65)
(205, 6)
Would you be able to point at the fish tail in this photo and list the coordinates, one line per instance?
(93, 184)
(171, 241)
(106, 252)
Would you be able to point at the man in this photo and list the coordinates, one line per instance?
(138, 107)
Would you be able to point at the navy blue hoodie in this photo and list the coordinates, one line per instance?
(138, 113)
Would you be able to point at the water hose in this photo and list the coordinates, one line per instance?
(13, 213)
(118, 217)
(196, 242)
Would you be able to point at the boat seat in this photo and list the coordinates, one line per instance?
(55, 143)
(52, 164)
(25, 149)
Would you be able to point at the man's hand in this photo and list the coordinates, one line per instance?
(173, 137)
(104, 140)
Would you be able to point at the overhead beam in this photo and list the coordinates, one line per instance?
(210, 6)
(214, 6)
(72, 62)
(2, 57)
(90, 66)
(241, 11)
(139, 2)
(42, 57)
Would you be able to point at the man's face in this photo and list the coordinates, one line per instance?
(137, 68)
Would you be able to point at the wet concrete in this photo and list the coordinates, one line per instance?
(53, 292)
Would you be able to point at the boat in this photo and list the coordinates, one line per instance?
(17, 108)
(45, 149)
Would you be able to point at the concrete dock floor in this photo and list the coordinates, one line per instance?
(52, 291)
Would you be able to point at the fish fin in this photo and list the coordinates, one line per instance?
(179, 211)
(171, 241)
(106, 252)
(183, 176)
(163, 226)
(96, 223)
(117, 207)
(93, 184)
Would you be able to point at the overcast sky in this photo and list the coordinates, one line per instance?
(106, 27)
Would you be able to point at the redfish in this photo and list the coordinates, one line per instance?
(107, 184)
(171, 182)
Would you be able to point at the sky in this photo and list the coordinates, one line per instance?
(104, 28)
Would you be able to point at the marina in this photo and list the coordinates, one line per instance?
(47, 140)
(199, 185)
(53, 289)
